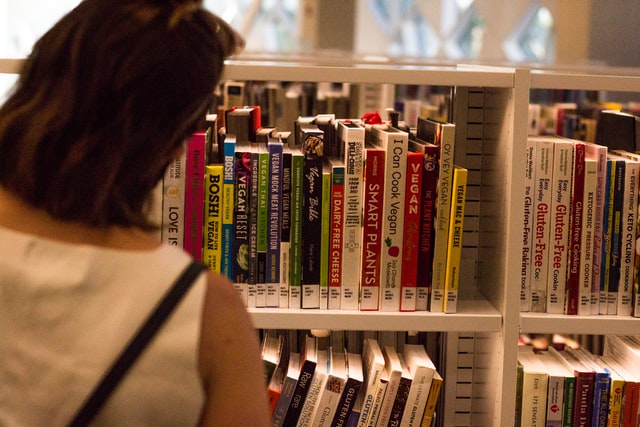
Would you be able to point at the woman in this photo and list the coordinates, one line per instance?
(103, 104)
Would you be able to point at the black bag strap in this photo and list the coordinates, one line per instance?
(136, 346)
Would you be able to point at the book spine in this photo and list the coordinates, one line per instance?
(345, 404)
(628, 225)
(600, 411)
(326, 407)
(311, 218)
(431, 159)
(616, 238)
(599, 154)
(173, 202)
(254, 185)
(212, 250)
(273, 232)
(241, 219)
(280, 412)
(615, 399)
(542, 211)
(194, 195)
(299, 394)
(285, 231)
(376, 406)
(228, 196)
(456, 228)
(569, 401)
(534, 396)
(607, 232)
(263, 225)
(527, 227)
(583, 398)
(353, 140)
(400, 402)
(295, 253)
(559, 240)
(432, 401)
(324, 238)
(396, 145)
(555, 397)
(443, 210)
(575, 233)
(587, 244)
(310, 402)
(412, 217)
(335, 246)
(371, 234)
(418, 396)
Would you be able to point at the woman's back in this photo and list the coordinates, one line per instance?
(65, 313)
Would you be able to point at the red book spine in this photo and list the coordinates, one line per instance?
(372, 228)
(194, 195)
(575, 237)
(412, 221)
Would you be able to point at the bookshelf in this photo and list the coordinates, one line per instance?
(490, 109)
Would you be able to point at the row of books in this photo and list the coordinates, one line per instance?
(323, 384)
(580, 228)
(339, 214)
(574, 387)
(283, 102)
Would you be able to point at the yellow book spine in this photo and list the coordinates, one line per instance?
(454, 247)
(212, 249)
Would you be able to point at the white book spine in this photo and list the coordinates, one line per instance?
(352, 137)
(587, 239)
(396, 145)
(527, 227)
(542, 212)
(559, 229)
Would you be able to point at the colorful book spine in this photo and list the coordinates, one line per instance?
(431, 159)
(396, 144)
(575, 248)
(295, 253)
(312, 146)
(559, 223)
(262, 224)
(173, 202)
(616, 237)
(443, 135)
(527, 227)
(351, 390)
(351, 141)
(275, 148)
(241, 221)
(212, 249)
(325, 239)
(432, 400)
(607, 227)
(456, 231)
(228, 196)
(542, 216)
(285, 230)
(628, 234)
(335, 233)
(194, 195)
(252, 279)
(411, 233)
(372, 231)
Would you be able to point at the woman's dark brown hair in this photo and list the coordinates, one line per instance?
(103, 103)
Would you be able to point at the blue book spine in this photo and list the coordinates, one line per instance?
(229, 148)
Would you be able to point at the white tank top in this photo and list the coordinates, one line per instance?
(67, 310)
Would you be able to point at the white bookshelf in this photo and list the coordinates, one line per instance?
(490, 112)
